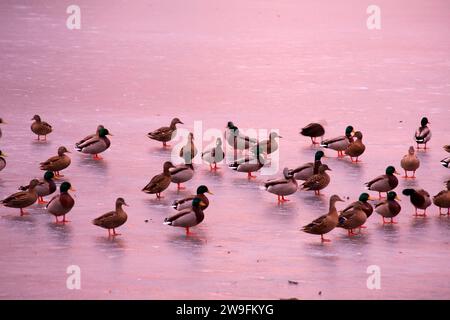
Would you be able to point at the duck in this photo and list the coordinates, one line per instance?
(40, 128)
(356, 148)
(318, 181)
(97, 144)
(189, 217)
(94, 135)
(160, 182)
(189, 151)
(187, 202)
(339, 143)
(325, 223)
(57, 163)
(352, 218)
(423, 133)
(420, 199)
(61, 204)
(389, 208)
(442, 199)
(363, 203)
(249, 163)
(410, 162)
(1, 122)
(22, 199)
(282, 187)
(2, 160)
(313, 130)
(385, 182)
(236, 140)
(269, 146)
(447, 147)
(45, 187)
(446, 161)
(305, 171)
(181, 173)
(113, 219)
(214, 155)
(165, 134)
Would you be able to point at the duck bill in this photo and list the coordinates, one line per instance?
(371, 199)
(126, 204)
(395, 172)
(110, 134)
(72, 189)
(3, 154)
(398, 198)
(209, 192)
(202, 204)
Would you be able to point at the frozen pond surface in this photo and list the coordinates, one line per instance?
(134, 66)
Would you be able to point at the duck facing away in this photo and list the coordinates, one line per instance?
(304, 172)
(186, 203)
(2, 160)
(165, 134)
(160, 182)
(188, 217)
(423, 133)
(389, 208)
(113, 219)
(97, 144)
(282, 187)
(314, 131)
(214, 155)
(45, 187)
(325, 223)
(181, 173)
(22, 199)
(61, 204)
(352, 218)
(188, 151)
(40, 128)
(420, 199)
(57, 163)
(385, 182)
(442, 199)
(356, 148)
(410, 162)
(339, 143)
(363, 204)
(318, 181)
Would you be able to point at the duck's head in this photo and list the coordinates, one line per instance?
(323, 168)
(167, 165)
(364, 197)
(36, 118)
(391, 170)
(2, 154)
(392, 195)
(411, 150)
(48, 175)
(33, 183)
(121, 202)
(65, 187)
(274, 135)
(230, 125)
(100, 127)
(424, 122)
(408, 192)
(197, 202)
(203, 189)
(335, 198)
(358, 135)
(2, 121)
(218, 142)
(349, 131)
(190, 136)
(175, 121)
(319, 155)
(287, 174)
(62, 150)
(103, 132)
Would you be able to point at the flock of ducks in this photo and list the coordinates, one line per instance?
(250, 155)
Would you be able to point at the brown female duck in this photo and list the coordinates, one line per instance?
(160, 182)
(318, 181)
(356, 148)
(165, 134)
(22, 199)
(410, 162)
(40, 128)
(113, 219)
(442, 199)
(57, 163)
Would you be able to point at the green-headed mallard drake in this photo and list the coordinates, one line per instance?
(389, 208)
(325, 223)
(352, 218)
(318, 181)
(189, 217)
(45, 187)
(304, 172)
(189, 151)
(61, 204)
(282, 187)
(362, 202)
(160, 182)
(339, 143)
(420, 199)
(165, 134)
(113, 219)
(269, 146)
(186, 203)
(313, 130)
(94, 135)
(385, 182)
(1, 122)
(249, 164)
(214, 155)
(40, 128)
(410, 162)
(96, 144)
(181, 173)
(2, 160)
(423, 133)
(442, 199)
(236, 140)
(356, 148)
(57, 163)
(22, 199)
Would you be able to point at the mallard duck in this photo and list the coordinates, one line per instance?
(189, 217)
(160, 182)
(389, 208)
(362, 201)
(22, 199)
(1, 122)
(187, 202)
(181, 173)
(214, 155)
(356, 148)
(269, 146)
(45, 187)
(442, 199)
(305, 171)
(40, 128)
(96, 144)
(325, 223)
(113, 219)
(165, 134)
(423, 133)
(94, 135)
(236, 140)
(446, 162)
(318, 181)
(385, 182)
(61, 204)
(249, 164)
(282, 187)
(410, 162)
(2, 160)
(339, 143)
(189, 151)
(447, 148)
(313, 130)
(420, 199)
(352, 218)
(57, 163)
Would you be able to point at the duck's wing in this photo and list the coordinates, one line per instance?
(178, 215)
(349, 207)
(16, 198)
(377, 179)
(50, 161)
(85, 139)
(88, 142)
(178, 169)
(104, 217)
(275, 182)
(45, 124)
(333, 140)
(301, 168)
(316, 223)
(160, 132)
(155, 182)
(51, 200)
